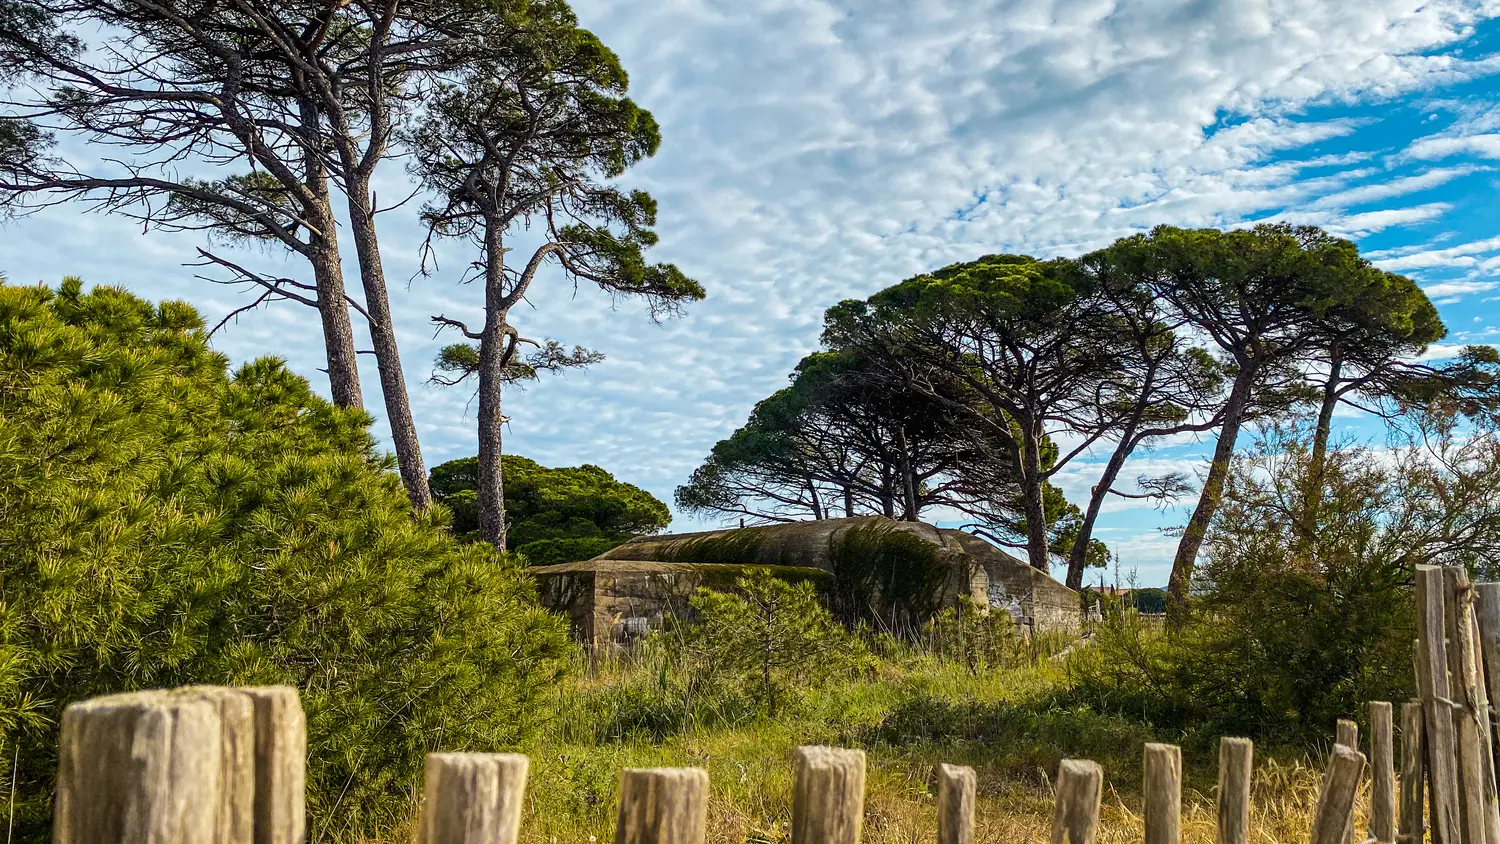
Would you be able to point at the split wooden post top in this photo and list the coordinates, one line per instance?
(662, 806)
(473, 798)
(955, 804)
(828, 795)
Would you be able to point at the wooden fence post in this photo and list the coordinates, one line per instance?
(1382, 774)
(280, 765)
(1347, 734)
(1472, 647)
(472, 798)
(1440, 744)
(139, 768)
(1336, 802)
(1236, 762)
(955, 804)
(1080, 786)
(1463, 693)
(1163, 789)
(1487, 615)
(662, 806)
(828, 796)
(236, 812)
(1412, 768)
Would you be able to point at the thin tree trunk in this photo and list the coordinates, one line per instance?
(908, 478)
(333, 310)
(887, 494)
(491, 480)
(1213, 491)
(1317, 465)
(848, 500)
(817, 503)
(328, 275)
(1078, 557)
(1036, 511)
(383, 340)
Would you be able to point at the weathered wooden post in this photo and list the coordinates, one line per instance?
(1162, 786)
(955, 804)
(1382, 774)
(236, 811)
(1236, 762)
(280, 764)
(1440, 743)
(1080, 786)
(1477, 698)
(139, 768)
(828, 796)
(1412, 769)
(1347, 734)
(1473, 752)
(662, 806)
(1336, 802)
(472, 798)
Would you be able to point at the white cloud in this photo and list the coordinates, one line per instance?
(1458, 288)
(816, 150)
(1487, 145)
(1358, 225)
(1451, 256)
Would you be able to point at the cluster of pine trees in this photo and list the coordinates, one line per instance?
(972, 387)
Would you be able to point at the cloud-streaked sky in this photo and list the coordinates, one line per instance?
(815, 151)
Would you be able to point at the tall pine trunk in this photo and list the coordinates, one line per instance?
(491, 480)
(908, 477)
(1078, 557)
(328, 274)
(1033, 486)
(383, 341)
(1213, 492)
(1318, 460)
(333, 310)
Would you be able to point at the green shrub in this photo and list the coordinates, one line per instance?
(546, 552)
(165, 523)
(770, 637)
(976, 636)
(1294, 626)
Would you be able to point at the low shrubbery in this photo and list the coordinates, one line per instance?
(1305, 613)
(163, 522)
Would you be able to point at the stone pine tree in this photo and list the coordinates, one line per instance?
(532, 133)
(163, 85)
(1366, 355)
(1030, 345)
(1164, 385)
(1266, 298)
(305, 93)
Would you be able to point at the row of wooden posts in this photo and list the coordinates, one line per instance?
(216, 765)
(211, 765)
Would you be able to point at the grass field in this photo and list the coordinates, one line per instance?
(908, 712)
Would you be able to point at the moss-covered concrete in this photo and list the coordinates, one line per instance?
(894, 574)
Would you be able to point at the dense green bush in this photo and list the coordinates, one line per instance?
(164, 523)
(1297, 624)
(552, 515)
(770, 637)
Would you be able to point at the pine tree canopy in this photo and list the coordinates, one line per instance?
(557, 515)
(163, 522)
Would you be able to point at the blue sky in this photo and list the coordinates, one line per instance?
(816, 150)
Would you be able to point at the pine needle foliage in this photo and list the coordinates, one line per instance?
(164, 522)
